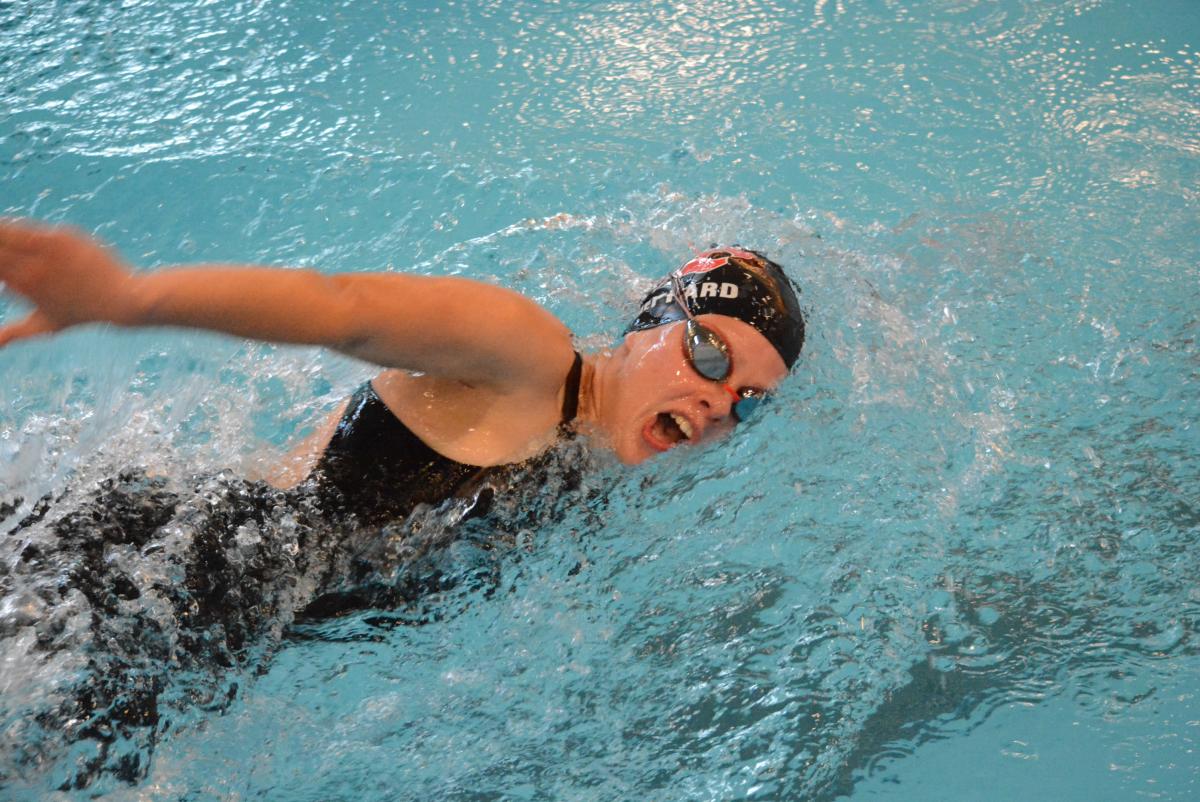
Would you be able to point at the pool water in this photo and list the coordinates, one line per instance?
(956, 557)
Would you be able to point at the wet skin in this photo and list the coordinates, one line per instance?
(648, 398)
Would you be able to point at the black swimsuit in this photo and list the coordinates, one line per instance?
(184, 588)
(377, 468)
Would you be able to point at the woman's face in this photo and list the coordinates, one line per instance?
(660, 401)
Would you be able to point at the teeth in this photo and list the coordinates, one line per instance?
(683, 424)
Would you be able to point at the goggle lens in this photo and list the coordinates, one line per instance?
(707, 352)
(747, 404)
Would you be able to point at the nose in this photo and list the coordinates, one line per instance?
(718, 402)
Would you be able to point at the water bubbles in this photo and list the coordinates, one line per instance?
(989, 212)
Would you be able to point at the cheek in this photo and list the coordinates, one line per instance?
(655, 355)
(650, 394)
(661, 367)
(631, 455)
(719, 429)
(625, 441)
(648, 380)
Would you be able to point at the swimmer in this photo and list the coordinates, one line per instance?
(178, 587)
(474, 375)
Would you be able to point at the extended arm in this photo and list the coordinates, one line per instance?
(451, 327)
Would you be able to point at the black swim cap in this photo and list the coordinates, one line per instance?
(734, 282)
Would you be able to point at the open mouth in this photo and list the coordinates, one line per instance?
(668, 429)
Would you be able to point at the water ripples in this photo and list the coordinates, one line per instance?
(976, 495)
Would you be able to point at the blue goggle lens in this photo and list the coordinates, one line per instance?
(746, 405)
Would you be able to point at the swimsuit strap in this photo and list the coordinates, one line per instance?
(570, 404)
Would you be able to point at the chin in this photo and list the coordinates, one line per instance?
(634, 459)
(634, 454)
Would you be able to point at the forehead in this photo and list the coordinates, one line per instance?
(755, 360)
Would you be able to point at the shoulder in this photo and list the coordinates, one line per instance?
(527, 347)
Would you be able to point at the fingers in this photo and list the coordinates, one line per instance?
(20, 239)
(29, 250)
(55, 270)
(18, 242)
(35, 325)
(23, 236)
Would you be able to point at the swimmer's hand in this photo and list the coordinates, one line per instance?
(68, 277)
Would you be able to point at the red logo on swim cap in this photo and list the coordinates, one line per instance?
(711, 260)
(703, 264)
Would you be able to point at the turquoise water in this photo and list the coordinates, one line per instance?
(956, 559)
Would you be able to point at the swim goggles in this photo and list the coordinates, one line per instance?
(708, 354)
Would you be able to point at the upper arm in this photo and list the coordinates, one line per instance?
(451, 327)
(454, 328)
